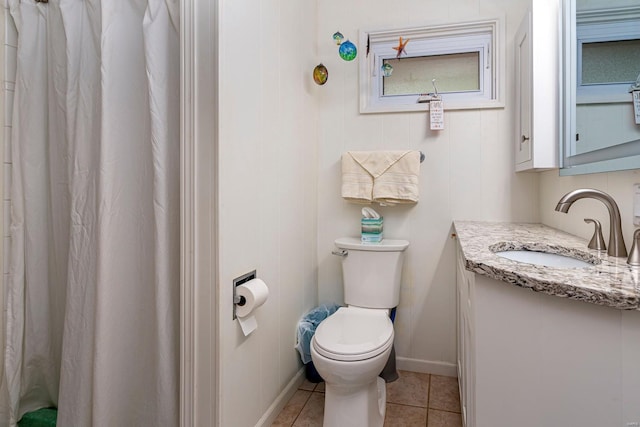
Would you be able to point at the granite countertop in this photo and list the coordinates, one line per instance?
(609, 282)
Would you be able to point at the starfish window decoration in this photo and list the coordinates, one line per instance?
(400, 47)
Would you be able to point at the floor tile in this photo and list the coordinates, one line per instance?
(405, 416)
(291, 410)
(412, 388)
(444, 394)
(312, 413)
(307, 385)
(437, 418)
(407, 401)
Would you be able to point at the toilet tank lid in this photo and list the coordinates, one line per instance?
(386, 245)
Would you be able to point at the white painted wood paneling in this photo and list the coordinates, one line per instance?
(468, 171)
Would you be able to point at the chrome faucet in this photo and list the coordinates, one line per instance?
(616, 240)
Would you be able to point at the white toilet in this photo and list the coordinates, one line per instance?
(350, 348)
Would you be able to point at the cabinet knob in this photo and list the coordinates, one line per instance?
(524, 138)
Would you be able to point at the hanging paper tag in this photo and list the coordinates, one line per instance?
(436, 114)
(636, 105)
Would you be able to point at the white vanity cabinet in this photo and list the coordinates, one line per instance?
(537, 74)
(528, 359)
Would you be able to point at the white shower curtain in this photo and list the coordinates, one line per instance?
(93, 293)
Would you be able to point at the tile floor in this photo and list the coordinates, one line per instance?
(415, 399)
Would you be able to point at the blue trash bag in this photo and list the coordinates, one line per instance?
(307, 327)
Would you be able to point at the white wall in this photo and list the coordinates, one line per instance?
(267, 193)
(468, 172)
(618, 184)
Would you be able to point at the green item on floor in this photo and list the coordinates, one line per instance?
(45, 417)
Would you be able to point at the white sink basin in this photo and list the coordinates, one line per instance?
(543, 258)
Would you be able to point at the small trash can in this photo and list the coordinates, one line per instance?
(306, 328)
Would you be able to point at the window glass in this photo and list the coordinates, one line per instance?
(458, 72)
(610, 62)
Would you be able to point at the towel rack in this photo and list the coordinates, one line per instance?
(422, 157)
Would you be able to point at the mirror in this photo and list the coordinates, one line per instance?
(601, 52)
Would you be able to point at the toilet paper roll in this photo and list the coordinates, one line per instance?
(255, 293)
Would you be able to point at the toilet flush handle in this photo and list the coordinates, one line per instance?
(341, 252)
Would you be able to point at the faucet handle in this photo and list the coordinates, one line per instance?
(597, 241)
(634, 254)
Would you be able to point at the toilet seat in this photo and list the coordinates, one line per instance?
(354, 333)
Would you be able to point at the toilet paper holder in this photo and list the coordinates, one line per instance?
(237, 299)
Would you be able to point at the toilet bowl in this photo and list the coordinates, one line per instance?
(349, 350)
(351, 347)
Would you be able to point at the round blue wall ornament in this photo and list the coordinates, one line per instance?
(348, 51)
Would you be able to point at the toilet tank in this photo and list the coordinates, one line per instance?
(371, 272)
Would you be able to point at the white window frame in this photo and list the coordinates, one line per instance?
(484, 37)
(604, 25)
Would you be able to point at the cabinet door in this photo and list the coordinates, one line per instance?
(462, 375)
(523, 54)
(461, 303)
(464, 303)
(469, 389)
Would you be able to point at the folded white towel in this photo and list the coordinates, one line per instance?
(399, 183)
(385, 177)
(357, 183)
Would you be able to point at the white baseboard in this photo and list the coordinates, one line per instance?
(272, 412)
(426, 366)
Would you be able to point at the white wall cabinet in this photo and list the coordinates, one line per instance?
(537, 89)
(528, 359)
